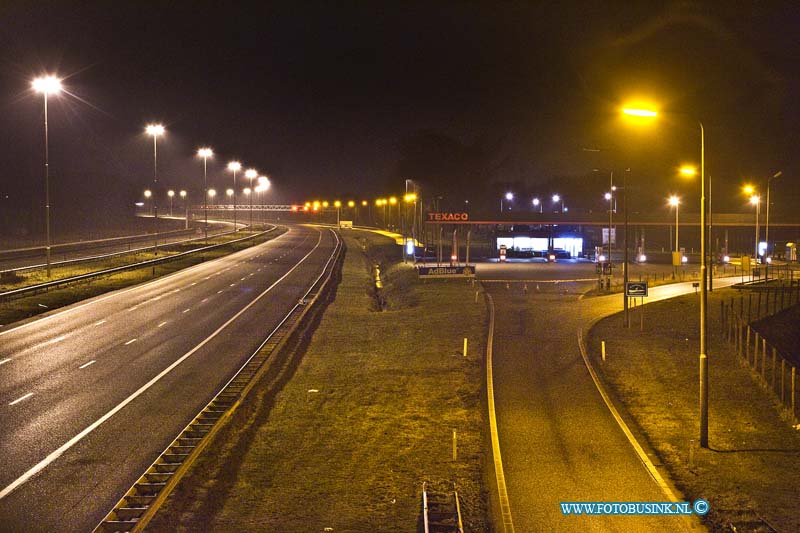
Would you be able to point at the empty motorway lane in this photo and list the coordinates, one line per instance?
(90, 394)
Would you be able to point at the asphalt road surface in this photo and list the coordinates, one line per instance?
(559, 442)
(70, 444)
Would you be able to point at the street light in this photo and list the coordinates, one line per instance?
(537, 203)
(263, 185)
(185, 207)
(703, 276)
(205, 153)
(756, 201)
(155, 130)
(558, 200)
(211, 194)
(148, 194)
(251, 174)
(171, 195)
(769, 181)
(674, 201)
(509, 196)
(234, 166)
(47, 85)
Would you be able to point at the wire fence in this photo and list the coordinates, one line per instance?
(774, 370)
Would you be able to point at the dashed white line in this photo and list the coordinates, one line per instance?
(206, 278)
(134, 308)
(4, 361)
(100, 322)
(21, 398)
(244, 278)
(233, 284)
(193, 284)
(204, 300)
(156, 298)
(58, 339)
(84, 365)
(187, 310)
(130, 341)
(161, 324)
(177, 290)
(252, 273)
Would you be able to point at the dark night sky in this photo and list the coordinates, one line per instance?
(320, 95)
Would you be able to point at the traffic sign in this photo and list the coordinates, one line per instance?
(636, 289)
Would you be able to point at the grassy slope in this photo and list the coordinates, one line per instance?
(754, 460)
(352, 456)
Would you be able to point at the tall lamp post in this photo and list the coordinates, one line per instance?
(509, 196)
(205, 153)
(171, 195)
(263, 186)
(756, 201)
(537, 203)
(155, 130)
(251, 174)
(186, 208)
(234, 166)
(674, 201)
(47, 85)
(769, 181)
(647, 113)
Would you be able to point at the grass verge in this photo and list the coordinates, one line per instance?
(27, 306)
(367, 417)
(752, 466)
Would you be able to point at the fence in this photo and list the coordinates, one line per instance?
(773, 370)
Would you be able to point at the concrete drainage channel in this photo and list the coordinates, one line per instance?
(143, 499)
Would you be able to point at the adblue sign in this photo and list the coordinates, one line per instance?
(448, 217)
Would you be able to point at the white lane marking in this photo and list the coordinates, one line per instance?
(84, 365)
(219, 292)
(116, 294)
(156, 298)
(252, 274)
(41, 465)
(244, 278)
(57, 339)
(21, 398)
(204, 300)
(131, 341)
(193, 284)
(100, 322)
(186, 310)
(161, 324)
(134, 308)
(177, 290)
(206, 278)
(4, 361)
(233, 284)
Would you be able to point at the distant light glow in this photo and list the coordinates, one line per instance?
(674, 200)
(536, 201)
(183, 194)
(393, 200)
(768, 259)
(556, 198)
(642, 258)
(755, 199)
(170, 193)
(509, 196)
(337, 204)
(139, 204)
(409, 246)
(235, 166)
(212, 193)
(229, 192)
(688, 171)
(148, 193)
(749, 189)
(325, 204)
(46, 85)
(364, 203)
(607, 196)
(351, 203)
(684, 259)
(205, 152)
(247, 191)
(639, 112)
(726, 259)
(601, 258)
(251, 173)
(154, 129)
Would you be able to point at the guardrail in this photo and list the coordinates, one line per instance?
(89, 259)
(72, 246)
(140, 503)
(133, 266)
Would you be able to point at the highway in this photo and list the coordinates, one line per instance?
(559, 442)
(91, 393)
